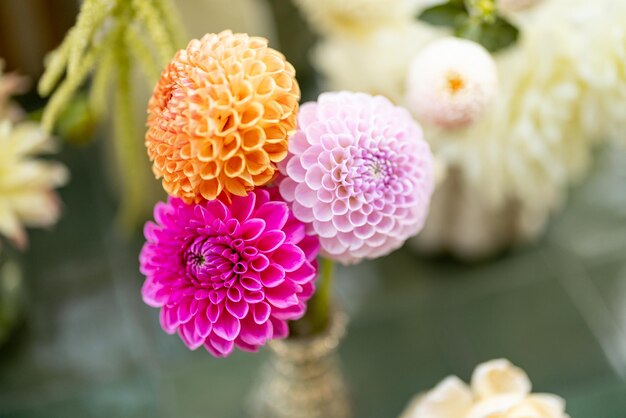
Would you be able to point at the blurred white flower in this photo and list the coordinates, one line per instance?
(26, 183)
(510, 406)
(498, 390)
(376, 63)
(451, 82)
(356, 17)
(451, 398)
(10, 84)
(499, 377)
(516, 5)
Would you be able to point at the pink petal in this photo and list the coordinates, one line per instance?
(238, 309)
(261, 312)
(217, 209)
(270, 241)
(203, 324)
(245, 346)
(275, 214)
(289, 256)
(252, 228)
(282, 296)
(253, 297)
(219, 347)
(253, 333)
(280, 328)
(272, 276)
(260, 263)
(305, 273)
(250, 282)
(242, 206)
(227, 326)
(310, 245)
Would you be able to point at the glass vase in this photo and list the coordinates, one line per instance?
(303, 378)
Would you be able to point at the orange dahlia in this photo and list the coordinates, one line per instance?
(220, 116)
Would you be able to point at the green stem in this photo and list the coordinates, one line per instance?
(317, 317)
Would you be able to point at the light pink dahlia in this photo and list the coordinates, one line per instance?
(359, 173)
(228, 275)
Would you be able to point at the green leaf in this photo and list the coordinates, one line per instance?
(493, 36)
(449, 14)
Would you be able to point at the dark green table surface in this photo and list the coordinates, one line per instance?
(90, 348)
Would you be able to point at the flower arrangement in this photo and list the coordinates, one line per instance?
(498, 389)
(259, 186)
(511, 159)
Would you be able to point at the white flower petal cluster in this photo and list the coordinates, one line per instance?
(451, 82)
(562, 89)
(376, 63)
(355, 17)
(26, 182)
(498, 390)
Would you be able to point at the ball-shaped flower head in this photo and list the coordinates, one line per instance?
(451, 82)
(359, 173)
(220, 116)
(228, 274)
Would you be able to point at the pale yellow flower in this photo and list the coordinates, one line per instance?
(356, 17)
(498, 390)
(27, 198)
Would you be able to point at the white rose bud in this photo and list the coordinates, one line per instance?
(499, 377)
(449, 399)
(451, 82)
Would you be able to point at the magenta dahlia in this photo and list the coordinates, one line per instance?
(359, 173)
(228, 275)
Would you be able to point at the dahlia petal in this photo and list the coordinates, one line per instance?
(270, 241)
(167, 323)
(227, 326)
(242, 206)
(261, 312)
(260, 263)
(217, 209)
(253, 333)
(238, 309)
(305, 195)
(325, 229)
(282, 296)
(245, 346)
(272, 276)
(253, 297)
(250, 282)
(252, 228)
(203, 324)
(214, 312)
(234, 294)
(184, 310)
(287, 189)
(291, 313)
(303, 213)
(151, 295)
(304, 274)
(307, 114)
(275, 214)
(218, 346)
(310, 245)
(289, 256)
(189, 336)
(295, 170)
(280, 328)
(294, 231)
(322, 212)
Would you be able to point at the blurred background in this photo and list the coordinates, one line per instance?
(83, 344)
